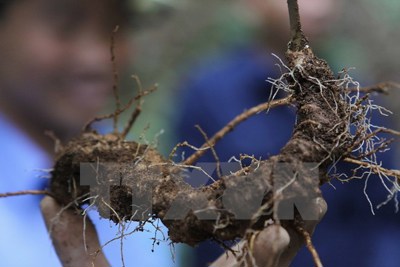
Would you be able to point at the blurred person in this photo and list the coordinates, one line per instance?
(55, 74)
(223, 86)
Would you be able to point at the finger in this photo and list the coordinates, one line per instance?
(269, 245)
(67, 231)
(318, 207)
(265, 249)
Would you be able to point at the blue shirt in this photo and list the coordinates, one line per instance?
(223, 87)
(24, 240)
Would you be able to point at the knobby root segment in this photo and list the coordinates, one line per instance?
(321, 135)
(27, 192)
(321, 117)
(233, 123)
(309, 245)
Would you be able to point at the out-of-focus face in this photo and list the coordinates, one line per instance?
(55, 66)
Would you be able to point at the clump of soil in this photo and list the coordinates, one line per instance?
(107, 162)
(131, 181)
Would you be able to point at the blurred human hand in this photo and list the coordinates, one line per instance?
(67, 232)
(274, 246)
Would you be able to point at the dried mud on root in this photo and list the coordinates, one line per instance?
(320, 136)
(97, 149)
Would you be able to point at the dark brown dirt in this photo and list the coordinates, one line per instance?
(102, 151)
(145, 175)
